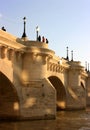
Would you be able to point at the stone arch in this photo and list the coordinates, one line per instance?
(60, 92)
(9, 101)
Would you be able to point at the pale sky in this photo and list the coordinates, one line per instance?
(63, 22)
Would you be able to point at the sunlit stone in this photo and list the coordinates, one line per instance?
(16, 106)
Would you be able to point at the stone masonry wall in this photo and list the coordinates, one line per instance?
(39, 100)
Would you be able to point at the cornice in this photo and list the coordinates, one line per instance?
(9, 40)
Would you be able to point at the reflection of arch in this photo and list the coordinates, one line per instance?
(9, 101)
(60, 90)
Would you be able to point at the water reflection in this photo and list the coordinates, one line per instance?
(72, 120)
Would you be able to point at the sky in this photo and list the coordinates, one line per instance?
(63, 22)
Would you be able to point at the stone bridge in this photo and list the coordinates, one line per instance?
(35, 83)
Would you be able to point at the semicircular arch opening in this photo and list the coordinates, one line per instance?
(9, 101)
(60, 92)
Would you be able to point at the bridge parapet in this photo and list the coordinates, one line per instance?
(38, 44)
(10, 41)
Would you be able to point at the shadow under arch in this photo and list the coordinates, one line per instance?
(60, 92)
(9, 101)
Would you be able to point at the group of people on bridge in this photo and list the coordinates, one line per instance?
(42, 39)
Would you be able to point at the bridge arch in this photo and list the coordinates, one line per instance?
(9, 101)
(60, 92)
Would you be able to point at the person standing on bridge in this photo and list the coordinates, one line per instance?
(43, 39)
(46, 40)
(39, 38)
(3, 28)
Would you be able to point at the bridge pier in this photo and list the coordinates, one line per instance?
(76, 86)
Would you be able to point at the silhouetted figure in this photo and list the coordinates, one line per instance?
(3, 28)
(39, 38)
(46, 40)
(43, 39)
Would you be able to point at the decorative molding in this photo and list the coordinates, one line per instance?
(55, 67)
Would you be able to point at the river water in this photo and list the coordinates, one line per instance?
(66, 120)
